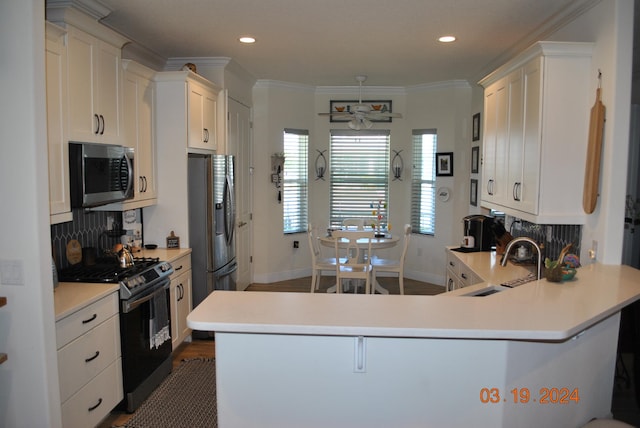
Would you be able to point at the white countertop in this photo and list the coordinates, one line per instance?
(69, 297)
(539, 310)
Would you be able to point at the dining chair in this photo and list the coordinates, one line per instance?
(350, 223)
(350, 249)
(396, 266)
(318, 262)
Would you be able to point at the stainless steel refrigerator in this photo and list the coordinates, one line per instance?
(211, 224)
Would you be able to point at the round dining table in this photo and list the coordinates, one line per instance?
(378, 243)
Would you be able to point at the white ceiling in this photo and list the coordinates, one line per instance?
(328, 42)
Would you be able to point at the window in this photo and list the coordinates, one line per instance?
(423, 181)
(359, 165)
(295, 181)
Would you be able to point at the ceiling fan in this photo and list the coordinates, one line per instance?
(361, 115)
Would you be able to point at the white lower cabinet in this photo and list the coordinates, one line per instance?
(180, 299)
(89, 362)
(459, 275)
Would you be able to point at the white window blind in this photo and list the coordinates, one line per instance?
(423, 181)
(359, 164)
(295, 181)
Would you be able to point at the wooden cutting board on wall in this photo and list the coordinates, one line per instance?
(594, 153)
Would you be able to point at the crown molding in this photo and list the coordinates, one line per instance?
(569, 14)
(265, 83)
(350, 90)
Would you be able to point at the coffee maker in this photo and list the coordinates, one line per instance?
(480, 227)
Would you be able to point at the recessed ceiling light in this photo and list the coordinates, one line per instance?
(247, 39)
(447, 39)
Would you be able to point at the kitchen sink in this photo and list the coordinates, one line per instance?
(487, 291)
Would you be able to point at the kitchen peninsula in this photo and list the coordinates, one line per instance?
(541, 354)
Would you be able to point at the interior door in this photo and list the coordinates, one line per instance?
(239, 144)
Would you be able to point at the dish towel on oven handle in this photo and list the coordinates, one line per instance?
(159, 331)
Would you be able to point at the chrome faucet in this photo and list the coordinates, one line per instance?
(503, 260)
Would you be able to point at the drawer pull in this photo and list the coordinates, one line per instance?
(178, 268)
(90, 319)
(463, 276)
(92, 408)
(451, 264)
(92, 358)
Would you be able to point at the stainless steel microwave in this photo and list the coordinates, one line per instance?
(99, 174)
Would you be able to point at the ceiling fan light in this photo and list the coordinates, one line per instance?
(367, 123)
(354, 124)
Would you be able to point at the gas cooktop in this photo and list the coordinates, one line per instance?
(105, 270)
(144, 274)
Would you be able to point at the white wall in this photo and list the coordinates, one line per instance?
(610, 26)
(277, 105)
(444, 106)
(29, 391)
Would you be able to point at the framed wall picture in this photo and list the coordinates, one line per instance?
(476, 127)
(444, 164)
(475, 159)
(383, 106)
(473, 192)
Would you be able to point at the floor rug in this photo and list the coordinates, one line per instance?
(186, 398)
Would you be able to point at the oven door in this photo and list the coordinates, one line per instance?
(145, 331)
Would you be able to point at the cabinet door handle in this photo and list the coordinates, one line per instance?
(102, 121)
(87, 321)
(88, 360)
(516, 191)
(92, 408)
(97, 128)
(146, 184)
(206, 135)
(490, 187)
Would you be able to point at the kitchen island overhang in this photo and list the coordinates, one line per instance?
(375, 360)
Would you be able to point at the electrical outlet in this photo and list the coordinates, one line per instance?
(593, 252)
(296, 244)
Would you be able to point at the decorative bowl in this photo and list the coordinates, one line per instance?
(555, 273)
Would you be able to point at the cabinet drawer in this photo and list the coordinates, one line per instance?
(85, 319)
(467, 277)
(95, 400)
(88, 355)
(181, 264)
(453, 264)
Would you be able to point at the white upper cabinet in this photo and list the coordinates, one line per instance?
(138, 108)
(94, 87)
(58, 149)
(202, 116)
(536, 131)
(495, 140)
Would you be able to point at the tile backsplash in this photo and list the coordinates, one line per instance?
(99, 229)
(554, 236)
